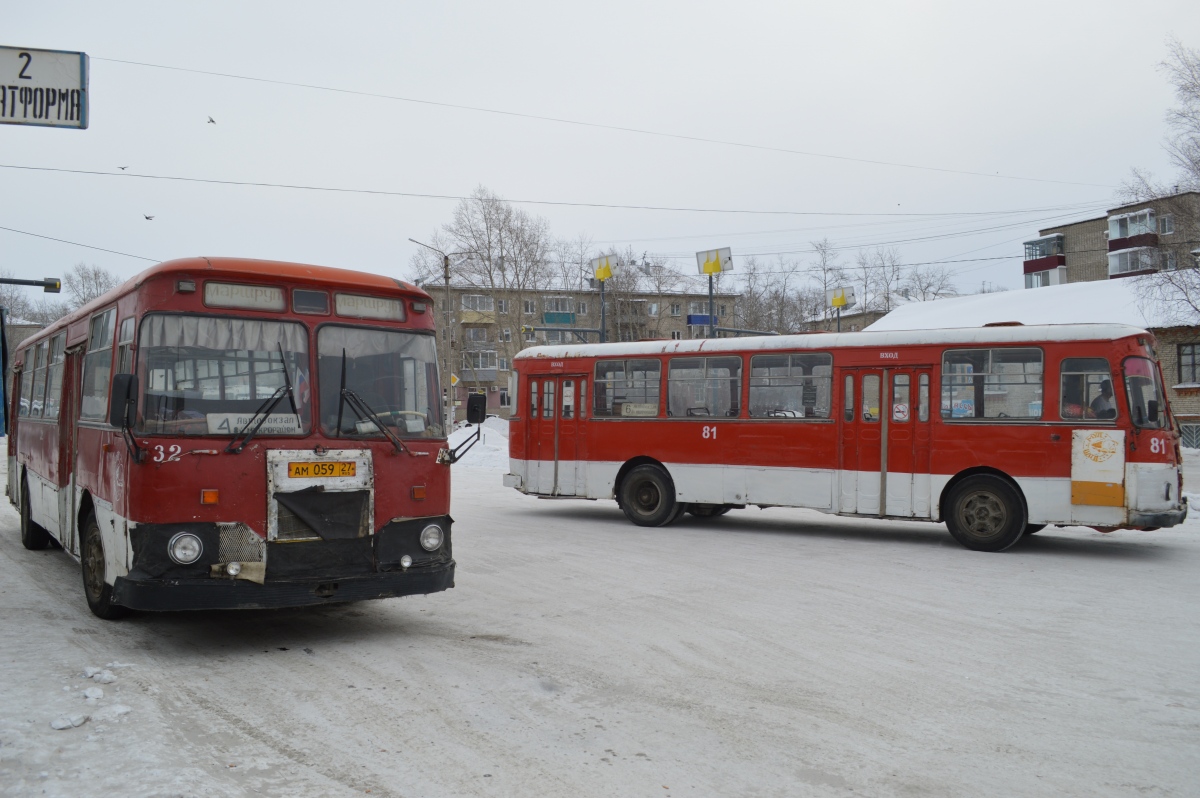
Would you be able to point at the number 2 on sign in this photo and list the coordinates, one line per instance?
(708, 433)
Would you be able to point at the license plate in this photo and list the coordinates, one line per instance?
(319, 469)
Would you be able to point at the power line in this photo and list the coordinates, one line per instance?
(77, 244)
(416, 195)
(601, 126)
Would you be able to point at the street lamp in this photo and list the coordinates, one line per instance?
(449, 408)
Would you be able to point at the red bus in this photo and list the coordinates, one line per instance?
(223, 433)
(996, 431)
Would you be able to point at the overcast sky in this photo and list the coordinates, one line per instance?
(1064, 95)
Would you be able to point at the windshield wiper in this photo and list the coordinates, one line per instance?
(264, 411)
(364, 411)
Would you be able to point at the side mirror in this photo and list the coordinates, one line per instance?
(476, 408)
(122, 403)
(1152, 411)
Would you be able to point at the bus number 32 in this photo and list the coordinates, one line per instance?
(708, 433)
(170, 455)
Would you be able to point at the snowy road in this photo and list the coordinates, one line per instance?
(764, 653)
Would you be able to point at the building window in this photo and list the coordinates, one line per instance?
(504, 402)
(1044, 247)
(557, 304)
(720, 310)
(1187, 364)
(1166, 224)
(1130, 260)
(480, 302)
(475, 335)
(652, 309)
(479, 361)
(502, 363)
(506, 335)
(1037, 279)
(676, 335)
(1191, 435)
(1167, 259)
(676, 309)
(556, 336)
(530, 307)
(697, 331)
(697, 308)
(530, 335)
(502, 306)
(1131, 224)
(581, 308)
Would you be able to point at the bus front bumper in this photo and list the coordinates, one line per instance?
(228, 594)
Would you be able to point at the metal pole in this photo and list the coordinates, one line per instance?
(446, 344)
(712, 322)
(603, 323)
(839, 318)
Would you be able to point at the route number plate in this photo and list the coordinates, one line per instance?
(318, 469)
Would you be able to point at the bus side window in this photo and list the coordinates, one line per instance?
(848, 397)
(923, 398)
(870, 406)
(568, 399)
(533, 399)
(583, 398)
(125, 347)
(901, 404)
(97, 366)
(1086, 389)
(548, 399)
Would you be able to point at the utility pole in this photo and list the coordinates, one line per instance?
(445, 372)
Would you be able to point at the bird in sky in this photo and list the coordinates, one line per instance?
(212, 121)
(122, 168)
(148, 218)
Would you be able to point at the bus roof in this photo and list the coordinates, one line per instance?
(964, 335)
(243, 270)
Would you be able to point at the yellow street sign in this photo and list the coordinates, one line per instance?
(602, 267)
(454, 379)
(715, 261)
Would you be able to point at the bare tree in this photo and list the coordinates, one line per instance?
(928, 281)
(84, 283)
(1182, 67)
(880, 273)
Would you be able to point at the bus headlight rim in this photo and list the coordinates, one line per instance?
(185, 548)
(432, 537)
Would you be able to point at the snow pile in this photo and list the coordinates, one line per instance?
(491, 452)
(1101, 302)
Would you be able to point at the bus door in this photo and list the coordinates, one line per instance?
(906, 477)
(861, 436)
(555, 446)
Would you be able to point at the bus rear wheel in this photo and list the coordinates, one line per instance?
(985, 513)
(648, 496)
(33, 536)
(97, 591)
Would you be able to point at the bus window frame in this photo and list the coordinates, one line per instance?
(941, 385)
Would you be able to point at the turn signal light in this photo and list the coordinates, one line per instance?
(209, 496)
(418, 492)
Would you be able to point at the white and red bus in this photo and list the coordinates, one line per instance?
(222, 433)
(996, 431)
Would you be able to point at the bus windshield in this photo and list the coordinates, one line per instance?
(393, 373)
(1145, 394)
(205, 375)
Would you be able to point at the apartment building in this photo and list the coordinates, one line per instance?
(1136, 239)
(488, 327)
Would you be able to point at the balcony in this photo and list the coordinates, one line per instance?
(1130, 242)
(558, 318)
(466, 316)
(697, 319)
(1045, 264)
(1132, 262)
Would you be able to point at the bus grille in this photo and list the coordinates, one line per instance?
(239, 543)
(290, 527)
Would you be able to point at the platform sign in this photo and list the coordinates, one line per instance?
(840, 298)
(44, 88)
(715, 261)
(604, 267)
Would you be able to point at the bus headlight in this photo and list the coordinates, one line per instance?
(431, 537)
(185, 548)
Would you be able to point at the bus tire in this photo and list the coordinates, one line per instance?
(648, 496)
(1033, 529)
(33, 536)
(97, 592)
(985, 513)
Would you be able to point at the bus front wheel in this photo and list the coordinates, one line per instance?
(985, 513)
(33, 536)
(648, 496)
(97, 591)
(1033, 529)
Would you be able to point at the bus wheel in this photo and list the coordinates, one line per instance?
(33, 536)
(648, 496)
(985, 513)
(95, 589)
(1033, 529)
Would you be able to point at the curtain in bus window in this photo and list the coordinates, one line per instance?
(628, 388)
(393, 371)
(97, 367)
(704, 386)
(1145, 393)
(992, 383)
(54, 376)
(1086, 389)
(206, 375)
(791, 385)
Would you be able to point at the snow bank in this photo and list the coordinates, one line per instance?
(491, 452)
(1104, 301)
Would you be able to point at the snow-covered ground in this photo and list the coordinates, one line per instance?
(765, 653)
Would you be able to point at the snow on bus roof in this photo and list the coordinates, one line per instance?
(1102, 301)
(961, 335)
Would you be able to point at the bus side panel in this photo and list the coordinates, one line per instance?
(39, 447)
